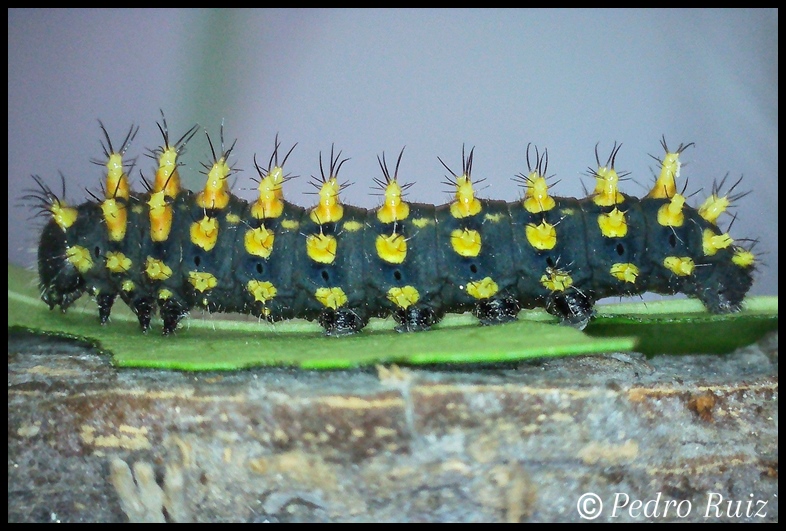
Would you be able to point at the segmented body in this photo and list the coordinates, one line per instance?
(171, 250)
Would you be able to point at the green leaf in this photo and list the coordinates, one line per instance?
(214, 343)
(683, 326)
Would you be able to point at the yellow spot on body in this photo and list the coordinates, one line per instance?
(466, 204)
(321, 248)
(493, 218)
(329, 208)
(156, 269)
(259, 242)
(713, 207)
(202, 281)
(262, 290)
(204, 233)
(712, 242)
(80, 258)
(422, 222)
(466, 242)
(607, 187)
(117, 262)
(115, 217)
(556, 280)
(331, 297)
(164, 294)
(542, 237)
(482, 289)
(743, 257)
(290, 224)
(128, 286)
(682, 266)
(63, 215)
(117, 186)
(537, 198)
(215, 194)
(403, 297)
(670, 214)
(613, 224)
(666, 184)
(392, 249)
(233, 219)
(626, 272)
(352, 226)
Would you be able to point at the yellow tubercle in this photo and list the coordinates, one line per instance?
(204, 233)
(542, 237)
(712, 242)
(167, 176)
(666, 183)
(63, 215)
(117, 186)
(164, 294)
(321, 248)
(155, 269)
(128, 285)
(329, 208)
(670, 214)
(80, 258)
(556, 280)
(466, 204)
(482, 289)
(160, 214)
(215, 194)
(607, 187)
(117, 262)
(259, 242)
(270, 203)
(536, 197)
(404, 296)
(612, 224)
(262, 290)
(743, 257)
(713, 207)
(392, 248)
(331, 297)
(626, 272)
(466, 242)
(682, 266)
(115, 218)
(202, 281)
(394, 208)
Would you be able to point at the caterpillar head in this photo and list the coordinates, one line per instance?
(60, 280)
(722, 285)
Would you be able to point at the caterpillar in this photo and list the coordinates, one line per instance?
(168, 250)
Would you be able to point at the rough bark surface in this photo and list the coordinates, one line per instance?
(684, 438)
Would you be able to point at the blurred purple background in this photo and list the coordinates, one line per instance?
(376, 80)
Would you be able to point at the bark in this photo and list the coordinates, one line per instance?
(684, 438)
